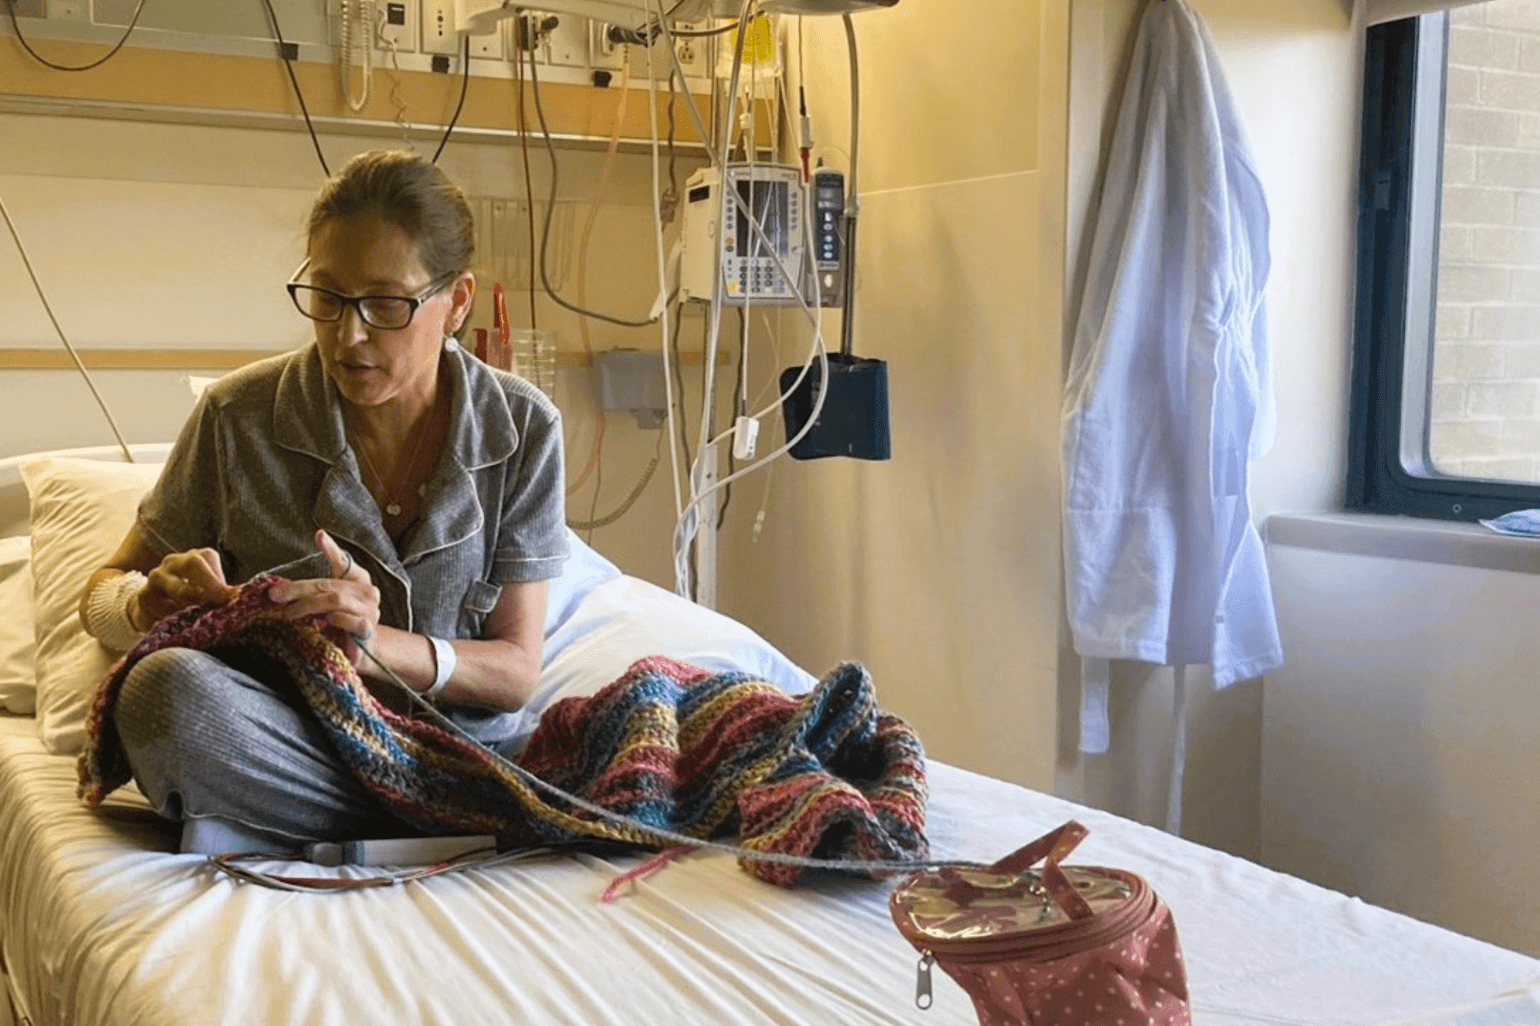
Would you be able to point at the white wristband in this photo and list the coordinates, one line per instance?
(444, 660)
(107, 611)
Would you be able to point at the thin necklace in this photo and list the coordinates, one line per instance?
(393, 507)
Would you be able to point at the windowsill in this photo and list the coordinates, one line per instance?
(1411, 538)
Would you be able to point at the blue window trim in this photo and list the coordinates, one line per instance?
(1402, 152)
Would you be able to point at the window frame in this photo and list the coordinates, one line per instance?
(1400, 181)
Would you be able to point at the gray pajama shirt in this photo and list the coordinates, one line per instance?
(262, 463)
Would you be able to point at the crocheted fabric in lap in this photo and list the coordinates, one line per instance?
(826, 774)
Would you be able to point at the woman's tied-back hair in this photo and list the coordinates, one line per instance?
(409, 192)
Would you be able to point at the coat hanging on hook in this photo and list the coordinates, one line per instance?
(1168, 395)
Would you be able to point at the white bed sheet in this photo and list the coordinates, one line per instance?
(102, 925)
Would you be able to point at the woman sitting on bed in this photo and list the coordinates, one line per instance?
(412, 495)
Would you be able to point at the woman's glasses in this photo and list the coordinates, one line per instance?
(388, 313)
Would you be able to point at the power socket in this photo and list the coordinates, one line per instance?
(32, 8)
(490, 45)
(694, 51)
(606, 52)
(398, 29)
(567, 43)
(69, 10)
(438, 27)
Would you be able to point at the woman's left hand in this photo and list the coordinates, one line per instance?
(348, 599)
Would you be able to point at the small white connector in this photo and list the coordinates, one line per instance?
(745, 438)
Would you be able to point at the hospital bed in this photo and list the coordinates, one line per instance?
(101, 922)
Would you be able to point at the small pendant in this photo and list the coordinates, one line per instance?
(393, 509)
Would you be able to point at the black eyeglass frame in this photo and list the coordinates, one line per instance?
(356, 302)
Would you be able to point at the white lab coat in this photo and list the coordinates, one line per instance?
(1168, 393)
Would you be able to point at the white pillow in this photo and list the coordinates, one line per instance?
(81, 509)
(18, 689)
(584, 571)
(624, 619)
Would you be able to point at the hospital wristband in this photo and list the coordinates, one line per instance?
(444, 660)
(107, 611)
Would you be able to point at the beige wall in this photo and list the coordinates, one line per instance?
(940, 569)
(175, 237)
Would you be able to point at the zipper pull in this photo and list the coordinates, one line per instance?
(922, 996)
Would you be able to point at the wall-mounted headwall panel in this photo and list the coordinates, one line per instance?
(217, 63)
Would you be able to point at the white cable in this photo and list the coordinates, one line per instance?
(686, 525)
(669, 425)
(683, 584)
(48, 308)
(355, 43)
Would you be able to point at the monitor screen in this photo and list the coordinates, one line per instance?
(769, 202)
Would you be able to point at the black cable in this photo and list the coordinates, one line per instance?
(10, 7)
(671, 195)
(529, 181)
(629, 501)
(696, 33)
(550, 210)
(465, 83)
(738, 411)
(680, 421)
(283, 54)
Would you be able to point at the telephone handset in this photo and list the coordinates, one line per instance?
(357, 47)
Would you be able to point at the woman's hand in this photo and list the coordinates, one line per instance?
(182, 580)
(348, 599)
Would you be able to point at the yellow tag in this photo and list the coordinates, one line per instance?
(758, 41)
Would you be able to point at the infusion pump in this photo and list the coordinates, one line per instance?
(749, 265)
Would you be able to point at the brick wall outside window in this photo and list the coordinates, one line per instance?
(1485, 409)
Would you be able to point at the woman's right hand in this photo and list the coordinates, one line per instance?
(182, 580)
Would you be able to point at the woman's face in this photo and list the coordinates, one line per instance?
(359, 256)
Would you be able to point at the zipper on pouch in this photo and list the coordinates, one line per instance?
(922, 995)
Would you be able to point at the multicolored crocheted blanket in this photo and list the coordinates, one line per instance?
(825, 775)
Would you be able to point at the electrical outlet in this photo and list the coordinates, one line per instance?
(694, 51)
(32, 9)
(69, 10)
(398, 29)
(567, 43)
(606, 52)
(489, 45)
(438, 27)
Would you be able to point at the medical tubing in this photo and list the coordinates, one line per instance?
(685, 526)
(853, 207)
(683, 583)
(299, 95)
(664, 328)
(529, 181)
(10, 7)
(465, 83)
(631, 827)
(48, 308)
(550, 209)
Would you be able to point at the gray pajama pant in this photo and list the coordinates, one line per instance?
(241, 763)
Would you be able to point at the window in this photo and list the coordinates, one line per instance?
(1446, 371)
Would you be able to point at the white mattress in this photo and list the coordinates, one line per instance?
(101, 925)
